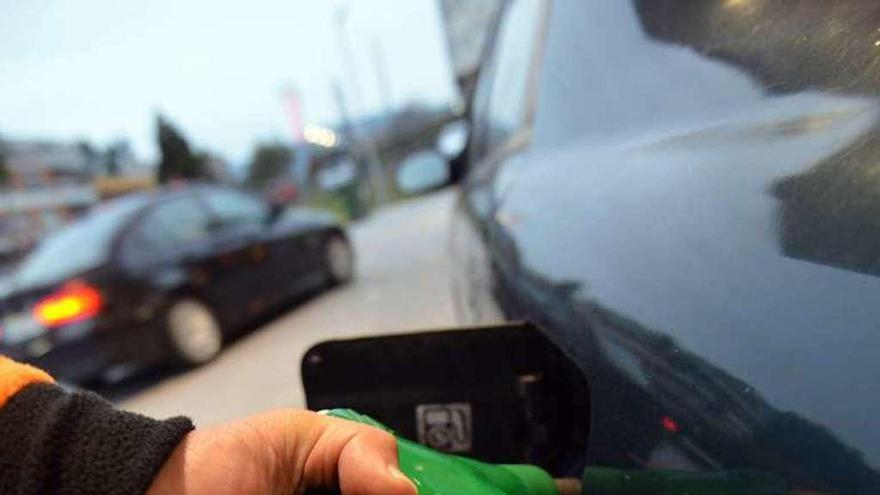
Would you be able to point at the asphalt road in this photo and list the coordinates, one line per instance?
(402, 284)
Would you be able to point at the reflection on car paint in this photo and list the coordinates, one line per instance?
(694, 220)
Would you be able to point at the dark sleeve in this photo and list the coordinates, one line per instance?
(54, 442)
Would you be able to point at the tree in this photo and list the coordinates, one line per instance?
(177, 161)
(116, 153)
(90, 155)
(269, 161)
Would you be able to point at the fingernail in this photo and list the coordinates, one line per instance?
(397, 473)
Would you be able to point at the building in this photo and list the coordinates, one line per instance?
(46, 184)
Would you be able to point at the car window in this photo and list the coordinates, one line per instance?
(81, 245)
(169, 227)
(503, 99)
(234, 207)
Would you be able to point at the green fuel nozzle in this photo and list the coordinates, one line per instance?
(435, 473)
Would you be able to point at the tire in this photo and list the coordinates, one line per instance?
(194, 333)
(339, 260)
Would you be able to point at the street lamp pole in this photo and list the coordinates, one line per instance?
(364, 141)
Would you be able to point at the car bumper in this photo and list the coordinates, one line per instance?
(67, 354)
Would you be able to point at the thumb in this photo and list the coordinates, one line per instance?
(368, 466)
(359, 459)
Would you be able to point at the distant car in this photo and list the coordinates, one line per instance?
(163, 276)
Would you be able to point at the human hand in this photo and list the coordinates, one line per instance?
(284, 452)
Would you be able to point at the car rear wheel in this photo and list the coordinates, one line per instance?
(194, 332)
(339, 259)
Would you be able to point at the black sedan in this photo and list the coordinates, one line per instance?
(684, 195)
(163, 276)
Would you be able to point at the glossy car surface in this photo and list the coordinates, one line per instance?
(133, 258)
(686, 196)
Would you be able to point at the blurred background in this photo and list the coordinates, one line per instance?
(245, 145)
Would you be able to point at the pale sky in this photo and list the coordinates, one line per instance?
(100, 69)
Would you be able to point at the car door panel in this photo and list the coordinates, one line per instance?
(173, 247)
(694, 219)
(248, 242)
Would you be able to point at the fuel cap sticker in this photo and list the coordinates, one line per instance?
(445, 427)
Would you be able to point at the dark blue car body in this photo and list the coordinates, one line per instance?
(686, 196)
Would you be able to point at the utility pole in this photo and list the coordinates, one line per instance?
(382, 75)
(342, 108)
(363, 140)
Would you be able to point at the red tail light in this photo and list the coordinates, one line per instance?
(75, 302)
(670, 424)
